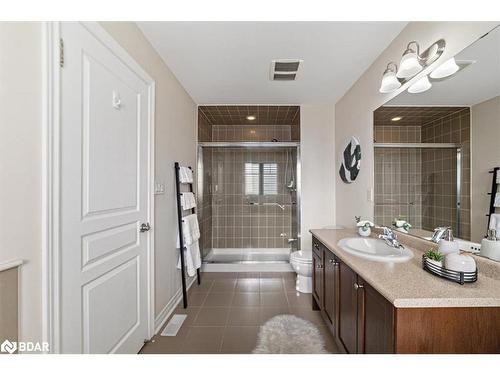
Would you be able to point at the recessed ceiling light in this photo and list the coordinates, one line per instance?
(250, 118)
(397, 118)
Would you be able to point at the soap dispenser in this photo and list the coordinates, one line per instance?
(447, 244)
(490, 246)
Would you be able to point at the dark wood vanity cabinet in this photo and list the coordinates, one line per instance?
(318, 275)
(364, 321)
(361, 319)
(375, 321)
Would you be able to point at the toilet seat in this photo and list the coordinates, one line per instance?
(301, 256)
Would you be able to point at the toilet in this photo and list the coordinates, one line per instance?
(301, 262)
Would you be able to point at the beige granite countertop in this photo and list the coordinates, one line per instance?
(407, 285)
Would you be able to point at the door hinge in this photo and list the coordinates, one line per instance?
(61, 53)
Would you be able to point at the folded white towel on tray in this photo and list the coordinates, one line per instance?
(185, 175)
(188, 201)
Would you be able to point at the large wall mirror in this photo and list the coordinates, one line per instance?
(434, 149)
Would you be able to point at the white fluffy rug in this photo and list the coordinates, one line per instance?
(288, 334)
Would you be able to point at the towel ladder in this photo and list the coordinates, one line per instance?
(494, 190)
(181, 236)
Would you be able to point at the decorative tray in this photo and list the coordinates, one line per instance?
(456, 276)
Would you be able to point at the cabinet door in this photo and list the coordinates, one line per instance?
(375, 321)
(348, 301)
(331, 283)
(317, 287)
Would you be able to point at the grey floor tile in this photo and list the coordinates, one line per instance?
(273, 299)
(246, 299)
(271, 285)
(223, 285)
(248, 285)
(211, 316)
(200, 340)
(241, 340)
(218, 299)
(244, 316)
(299, 299)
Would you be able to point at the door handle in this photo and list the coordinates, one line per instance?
(144, 227)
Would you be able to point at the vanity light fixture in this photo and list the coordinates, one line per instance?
(390, 82)
(397, 118)
(251, 118)
(423, 84)
(410, 62)
(446, 69)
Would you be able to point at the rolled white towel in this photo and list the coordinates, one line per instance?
(188, 201)
(496, 203)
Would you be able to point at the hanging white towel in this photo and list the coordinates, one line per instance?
(496, 203)
(192, 258)
(498, 177)
(191, 235)
(188, 201)
(185, 175)
(190, 230)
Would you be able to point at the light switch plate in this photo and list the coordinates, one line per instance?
(159, 188)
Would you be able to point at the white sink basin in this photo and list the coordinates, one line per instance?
(375, 249)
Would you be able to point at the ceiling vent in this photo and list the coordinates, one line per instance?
(285, 70)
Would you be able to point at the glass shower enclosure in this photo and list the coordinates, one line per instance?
(248, 200)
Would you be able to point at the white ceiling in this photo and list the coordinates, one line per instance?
(228, 62)
(475, 84)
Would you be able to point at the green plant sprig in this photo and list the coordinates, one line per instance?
(434, 255)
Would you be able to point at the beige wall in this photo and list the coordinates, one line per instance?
(9, 314)
(175, 127)
(354, 111)
(20, 166)
(484, 156)
(317, 155)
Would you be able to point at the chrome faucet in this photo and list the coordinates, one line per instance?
(439, 233)
(390, 238)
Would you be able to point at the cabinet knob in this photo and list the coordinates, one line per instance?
(319, 266)
(358, 286)
(316, 246)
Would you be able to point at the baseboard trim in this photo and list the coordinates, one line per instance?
(170, 307)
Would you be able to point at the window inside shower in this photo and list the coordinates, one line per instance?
(249, 203)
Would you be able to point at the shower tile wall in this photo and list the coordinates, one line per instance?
(439, 173)
(236, 223)
(397, 176)
(246, 133)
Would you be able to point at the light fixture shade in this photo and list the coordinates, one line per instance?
(421, 85)
(389, 82)
(409, 65)
(446, 69)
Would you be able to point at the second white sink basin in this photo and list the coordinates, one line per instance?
(375, 249)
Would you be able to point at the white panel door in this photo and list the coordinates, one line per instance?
(105, 197)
